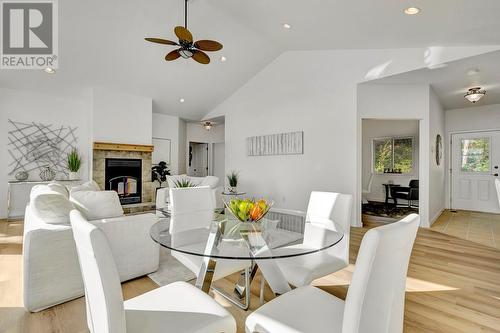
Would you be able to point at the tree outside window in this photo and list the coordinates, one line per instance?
(393, 153)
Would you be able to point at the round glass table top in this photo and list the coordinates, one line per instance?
(224, 237)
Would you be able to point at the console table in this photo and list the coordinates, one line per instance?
(18, 194)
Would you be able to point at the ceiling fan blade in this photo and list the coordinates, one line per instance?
(208, 45)
(172, 55)
(183, 34)
(160, 41)
(200, 57)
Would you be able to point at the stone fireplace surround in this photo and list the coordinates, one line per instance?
(103, 150)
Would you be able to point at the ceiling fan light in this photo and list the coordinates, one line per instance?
(207, 125)
(186, 54)
(474, 94)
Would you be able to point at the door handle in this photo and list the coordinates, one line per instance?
(495, 174)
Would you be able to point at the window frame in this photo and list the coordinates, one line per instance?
(412, 137)
(478, 173)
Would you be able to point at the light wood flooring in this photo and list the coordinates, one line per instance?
(477, 227)
(453, 285)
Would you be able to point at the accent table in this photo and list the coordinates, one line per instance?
(261, 243)
(18, 193)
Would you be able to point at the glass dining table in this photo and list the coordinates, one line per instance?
(275, 237)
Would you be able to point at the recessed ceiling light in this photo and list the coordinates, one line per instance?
(49, 70)
(287, 26)
(182, 100)
(223, 59)
(412, 10)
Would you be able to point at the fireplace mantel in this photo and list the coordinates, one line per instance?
(123, 147)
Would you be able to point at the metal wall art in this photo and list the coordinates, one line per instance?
(34, 146)
(276, 144)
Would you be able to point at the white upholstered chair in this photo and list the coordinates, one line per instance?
(177, 307)
(192, 208)
(367, 190)
(330, 211)
(375, 299)
(497, 186)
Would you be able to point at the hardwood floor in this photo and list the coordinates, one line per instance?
(477, 227)
(452, 286)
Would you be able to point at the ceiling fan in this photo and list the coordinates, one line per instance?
(188, 48)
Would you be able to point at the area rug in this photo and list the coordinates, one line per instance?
(380, 209)
(170, 270)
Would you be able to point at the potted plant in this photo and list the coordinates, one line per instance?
(160, 172)
(232, 180)
(73, 162)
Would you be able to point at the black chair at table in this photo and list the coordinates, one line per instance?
(409, 193)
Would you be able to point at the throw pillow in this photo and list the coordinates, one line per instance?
(96, 205)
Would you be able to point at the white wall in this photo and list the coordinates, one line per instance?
(167, 127)
(122, 118)
(182, 146)
(24, 106)
(372, 129)
(437, 174)
(475, 118)
(314, 92)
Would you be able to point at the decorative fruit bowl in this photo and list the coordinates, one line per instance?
(248, 210)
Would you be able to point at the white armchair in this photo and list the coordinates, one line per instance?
(375, 299)
(330, 211)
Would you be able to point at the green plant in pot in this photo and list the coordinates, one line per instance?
(232, 180)
(73, 164)
(184, 183)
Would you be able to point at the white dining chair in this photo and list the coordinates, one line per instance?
(375, 299)
(192, 208)
(331, 211)
(177, 307)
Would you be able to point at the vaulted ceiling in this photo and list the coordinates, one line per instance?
(101, 42)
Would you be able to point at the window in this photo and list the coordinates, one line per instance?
(393, 154)
(475, 155)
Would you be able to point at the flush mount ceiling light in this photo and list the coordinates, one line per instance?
(412, 10)
(207, 125)
(49, 70)
(182, 100)
(474, 94)
(287, 26)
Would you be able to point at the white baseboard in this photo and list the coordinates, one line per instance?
(431, 222)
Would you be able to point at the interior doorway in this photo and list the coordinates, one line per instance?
(390, 169)
(475, 162)
(198, 159)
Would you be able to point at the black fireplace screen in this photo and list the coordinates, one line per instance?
(124, 176)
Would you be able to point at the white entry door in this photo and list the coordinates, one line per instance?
(475, 165)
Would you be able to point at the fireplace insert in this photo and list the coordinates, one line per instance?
(124, 175)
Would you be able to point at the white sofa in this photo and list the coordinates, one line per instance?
(50, 265)
(162, 194)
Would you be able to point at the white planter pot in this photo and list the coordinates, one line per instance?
(232, 189)
(73, 176)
